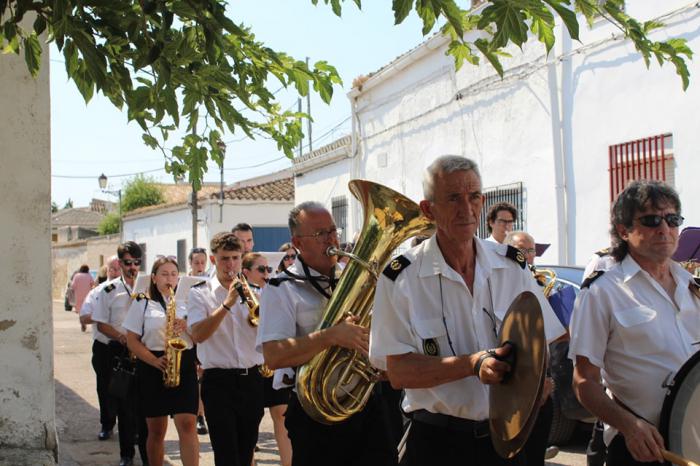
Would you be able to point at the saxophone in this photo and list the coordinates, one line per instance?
(249, 298)
(174, 346)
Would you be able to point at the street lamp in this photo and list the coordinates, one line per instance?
(102, 180)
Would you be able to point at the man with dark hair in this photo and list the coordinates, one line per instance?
(110, 309)
(198, 262)
(291, 308)
(635, 323)
(232, 389)
(500, 220)
(244, 233)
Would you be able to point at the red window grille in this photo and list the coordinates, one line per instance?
(641, 159)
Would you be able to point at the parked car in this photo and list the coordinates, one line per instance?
(568, 413)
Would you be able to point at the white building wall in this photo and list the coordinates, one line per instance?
(547, 117)
(27, 416)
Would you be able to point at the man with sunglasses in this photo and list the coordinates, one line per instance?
(635, 324)
(110, 309)
(292, 305)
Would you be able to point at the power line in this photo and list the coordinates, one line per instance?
(76, 177)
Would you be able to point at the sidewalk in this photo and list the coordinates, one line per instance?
(77, 414)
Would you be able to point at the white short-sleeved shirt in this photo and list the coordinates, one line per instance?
(113, 303)
(602, 261)
(492, 239)
(87, 309)
(146, 318)
(628, 326)
(290, 308)
(232, 345)
(429, 302)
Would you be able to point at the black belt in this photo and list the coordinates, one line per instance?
(479, 429)
(235, 371)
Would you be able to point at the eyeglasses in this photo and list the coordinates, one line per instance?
(198, 251)
(654, 221)
(290, 257)
(527, 251)
(160, 256)
(324, 235)
(263, 269)
(503, 220)
(130, 262)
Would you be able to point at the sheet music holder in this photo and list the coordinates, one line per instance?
(143, 281)
(688, 245)
(183, 291)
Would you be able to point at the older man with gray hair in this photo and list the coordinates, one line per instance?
(437, 311)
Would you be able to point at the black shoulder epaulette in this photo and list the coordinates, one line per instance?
(517, 256)
(695, 286)
(110, 287)
(603, 252)
(395, 267)
(276, 281)
(199, 283)
(595, 275)
(140, 296)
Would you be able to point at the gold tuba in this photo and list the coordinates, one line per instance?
(336, 383)
(174, 346)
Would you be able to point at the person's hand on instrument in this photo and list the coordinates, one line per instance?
(643, 441)
(488, 368)
(350, 335)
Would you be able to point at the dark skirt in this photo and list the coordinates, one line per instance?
(156, 400)
(274, 397)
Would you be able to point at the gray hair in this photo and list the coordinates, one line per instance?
(296, 211)
(442, 166)
(512, 235)
(638, 195)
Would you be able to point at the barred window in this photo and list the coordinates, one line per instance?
(650, 158)
(339, 210)
(512, 193)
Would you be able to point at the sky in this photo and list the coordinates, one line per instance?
(88, 140)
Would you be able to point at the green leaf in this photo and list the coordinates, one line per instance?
(32, 54)
(401, 9)
(568, 16)
(150, 141)
(461, 53)
(485, 48)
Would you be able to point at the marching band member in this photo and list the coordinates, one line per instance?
(437, 310)
(198, 262)
(635, 324)
(500, 220)
(232, 389)
(244, 233)
(291, 308)
(257, 272)
(147, 337)
(109, 313)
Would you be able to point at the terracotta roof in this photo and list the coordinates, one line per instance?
(344, 141)
(277, 190)
(81, 216)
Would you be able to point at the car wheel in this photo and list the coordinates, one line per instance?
(562, 428)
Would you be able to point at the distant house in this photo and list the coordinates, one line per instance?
(74, 224)
(166, 229)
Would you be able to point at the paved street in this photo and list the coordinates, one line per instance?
(77, 412)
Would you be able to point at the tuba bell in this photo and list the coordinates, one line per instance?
(337, 382)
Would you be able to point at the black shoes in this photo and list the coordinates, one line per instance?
(104, 434)
(126, 462)
(201, 426)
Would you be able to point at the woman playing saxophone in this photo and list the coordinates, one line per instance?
(149, 331)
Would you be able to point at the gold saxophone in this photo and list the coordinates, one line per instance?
(174, 346)
(337, 382)
(249, 298)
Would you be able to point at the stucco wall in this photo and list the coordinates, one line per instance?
(27, 417)
(548, 123)
(100, 249)
(66, 259)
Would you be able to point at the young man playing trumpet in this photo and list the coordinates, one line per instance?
(232, 389)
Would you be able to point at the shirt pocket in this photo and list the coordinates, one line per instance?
(639, 329)
(432, 337)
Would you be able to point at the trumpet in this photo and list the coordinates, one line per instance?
(248, 298)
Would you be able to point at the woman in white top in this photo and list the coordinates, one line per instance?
(145, 323)
(257, 272)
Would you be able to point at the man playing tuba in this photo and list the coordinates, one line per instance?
(291, 308)
(437, 310)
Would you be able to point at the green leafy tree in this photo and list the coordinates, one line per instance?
(183, 64)
(139, 192)
(54, 207)
(68, 204)
(110, 224)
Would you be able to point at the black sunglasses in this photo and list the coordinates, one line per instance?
(654, 221)
(263, 269)
(129, 262)
(290, 257)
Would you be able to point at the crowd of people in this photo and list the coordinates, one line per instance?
(437, 311)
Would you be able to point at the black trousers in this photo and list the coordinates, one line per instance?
(596, 452)
(430, 445)
(233, 405)
(537, 442)
(391, 404)
(362, 440)
(102, 365)
(619, 455)
(132, 426)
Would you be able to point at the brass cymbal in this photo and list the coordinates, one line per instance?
(513, 404)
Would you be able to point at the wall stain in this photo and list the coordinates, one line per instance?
(5, 324)
(29, 341)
